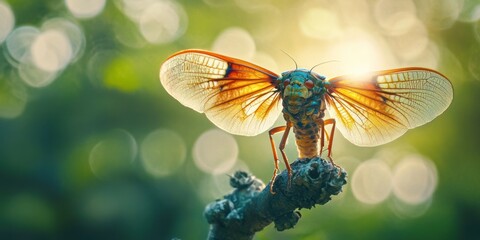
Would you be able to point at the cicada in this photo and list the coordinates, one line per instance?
(245, 99)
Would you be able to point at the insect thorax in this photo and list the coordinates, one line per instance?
(306, 123)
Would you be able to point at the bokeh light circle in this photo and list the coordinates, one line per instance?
(267, 27)
(163, 151)
(113, 154)
(51, 51)
(85, 8)
(18, 43)
(395, 17)
(215, 152)
(416, 35)
(163, 22)
(414, 179)
(33, 76)
(439, 14)
(42, 54)
(429, 58)
(133, 9)
(97, 65)
(7, 21)
(72, 31)
(407, 210)
(235, 41)
(372, 181)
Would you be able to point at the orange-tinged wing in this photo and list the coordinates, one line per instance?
(378, 107)
(237, 96)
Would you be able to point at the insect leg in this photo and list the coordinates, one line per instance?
(330, 138)
(322, 135)
(283, 142)
(282, 146)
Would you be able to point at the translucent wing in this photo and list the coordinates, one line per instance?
(237, 96)
(379, 107)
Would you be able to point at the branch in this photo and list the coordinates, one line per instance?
(251, 206)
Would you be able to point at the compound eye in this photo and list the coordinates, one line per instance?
(286, 82)
(309, 84)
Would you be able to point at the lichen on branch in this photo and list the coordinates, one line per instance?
(251, 206)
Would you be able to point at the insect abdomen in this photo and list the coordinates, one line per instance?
(306, 138)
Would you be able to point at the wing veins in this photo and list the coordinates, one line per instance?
(352, 101)
(261, 90)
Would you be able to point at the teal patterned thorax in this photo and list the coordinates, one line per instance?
(302, 93)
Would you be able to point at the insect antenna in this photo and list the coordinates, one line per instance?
(296, 66)
(311, 69)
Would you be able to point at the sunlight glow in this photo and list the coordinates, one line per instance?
(361, 52)
(320, 24)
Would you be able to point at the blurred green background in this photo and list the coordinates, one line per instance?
(92, 147)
